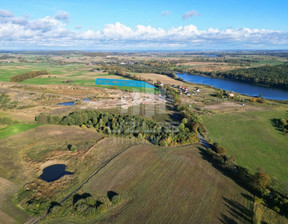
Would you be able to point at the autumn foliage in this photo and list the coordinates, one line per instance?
(27, 75)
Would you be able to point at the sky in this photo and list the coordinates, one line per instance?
(143, 25)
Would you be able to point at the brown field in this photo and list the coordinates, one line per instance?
(172, 185)
(157, 77)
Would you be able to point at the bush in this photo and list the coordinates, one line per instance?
(276, 209)
(102, 208)
(116, 199)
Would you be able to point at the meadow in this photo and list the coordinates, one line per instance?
(254, 141)
(14, 129)
(60, 74)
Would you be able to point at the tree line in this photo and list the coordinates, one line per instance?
(27, 75)
(259, 183)
(158, 133)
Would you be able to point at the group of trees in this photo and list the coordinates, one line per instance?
(158, 133)
(258, 183)
(27, 75)
(193, 122)
(85, 205)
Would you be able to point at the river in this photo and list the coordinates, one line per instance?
(238, 87)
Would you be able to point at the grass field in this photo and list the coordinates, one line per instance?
(58, 74)
(254, 141)
(15, 129)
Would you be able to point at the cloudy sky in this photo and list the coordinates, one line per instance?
(143, 24)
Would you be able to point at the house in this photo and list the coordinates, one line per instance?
(231, 94)
(197, 90)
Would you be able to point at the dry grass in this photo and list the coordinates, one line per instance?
(157, 77)
(8, 212)
(172, 185)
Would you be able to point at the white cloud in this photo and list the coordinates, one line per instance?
(62, 16)
(5, 13)
(51, 32)
(189, 14)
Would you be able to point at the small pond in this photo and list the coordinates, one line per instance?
(54, 172)
(71, 103)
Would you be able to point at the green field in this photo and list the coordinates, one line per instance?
(254, 141)
(15, 129)
(58, 74)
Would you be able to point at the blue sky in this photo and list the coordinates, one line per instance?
(136, 25)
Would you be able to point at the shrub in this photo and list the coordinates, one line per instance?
(116, 199)
(28, 75)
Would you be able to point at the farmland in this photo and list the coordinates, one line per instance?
(153, 183)
(171, 183)
(266, 147)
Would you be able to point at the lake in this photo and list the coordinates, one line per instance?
(54, 172)
(238, 87)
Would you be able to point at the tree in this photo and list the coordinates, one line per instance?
(262, 180)
(219, 149)
(181, 127)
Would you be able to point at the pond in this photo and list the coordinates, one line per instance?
(71, 103)
(54, 172)
(238, 87)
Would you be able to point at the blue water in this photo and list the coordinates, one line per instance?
(238, 87)
(123, 82)
(54, 172)
(71, 103)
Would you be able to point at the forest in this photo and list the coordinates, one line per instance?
(128, 125)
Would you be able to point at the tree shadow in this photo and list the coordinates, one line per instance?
(238, 211)
(226, 172)
(275, 124)
(77, 197)
(98, 203)
(111, 194)
(52, 205)
(248, 197)
(226, 220)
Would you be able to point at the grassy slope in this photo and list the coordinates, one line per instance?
(172, 185)
(253, 140)
(15, 129)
